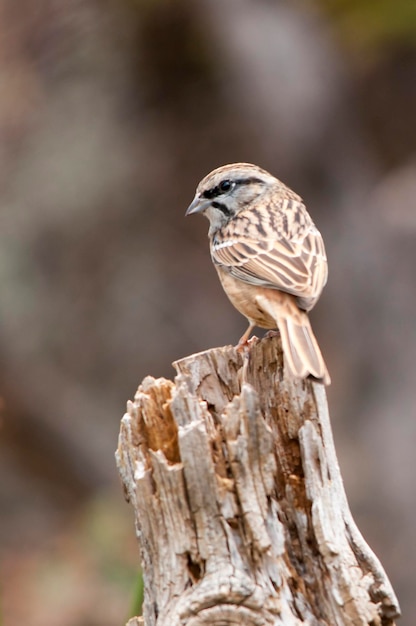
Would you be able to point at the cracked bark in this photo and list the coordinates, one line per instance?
(239, 505)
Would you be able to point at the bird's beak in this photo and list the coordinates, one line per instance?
(198, 205)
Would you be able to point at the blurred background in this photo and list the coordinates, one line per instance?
(110, 114)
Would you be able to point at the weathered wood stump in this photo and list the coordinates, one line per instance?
(239, 505)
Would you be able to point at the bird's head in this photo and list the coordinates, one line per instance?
(226, 191)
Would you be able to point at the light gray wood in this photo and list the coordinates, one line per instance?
(239, 505)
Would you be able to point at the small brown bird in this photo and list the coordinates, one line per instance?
(269, 256)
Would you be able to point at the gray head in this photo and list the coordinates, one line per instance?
(229, 189)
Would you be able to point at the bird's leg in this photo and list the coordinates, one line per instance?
(243, 341)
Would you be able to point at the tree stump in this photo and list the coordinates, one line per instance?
(239, 504)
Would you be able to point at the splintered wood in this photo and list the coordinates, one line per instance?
(239, 505)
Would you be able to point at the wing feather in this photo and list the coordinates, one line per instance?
(293, 261)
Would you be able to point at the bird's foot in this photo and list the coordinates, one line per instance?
(245, 344)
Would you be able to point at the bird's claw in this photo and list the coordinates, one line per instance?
(244, 345)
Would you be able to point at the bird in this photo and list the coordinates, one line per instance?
(269, 256)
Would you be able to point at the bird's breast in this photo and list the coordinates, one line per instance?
(243, 296)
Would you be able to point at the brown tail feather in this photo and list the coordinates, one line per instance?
(300, 347)
(302, 354)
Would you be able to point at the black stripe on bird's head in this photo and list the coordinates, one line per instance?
(228, 190)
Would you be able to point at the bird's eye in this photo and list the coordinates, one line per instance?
(225, 186)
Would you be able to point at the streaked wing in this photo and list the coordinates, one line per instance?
(295, 264)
